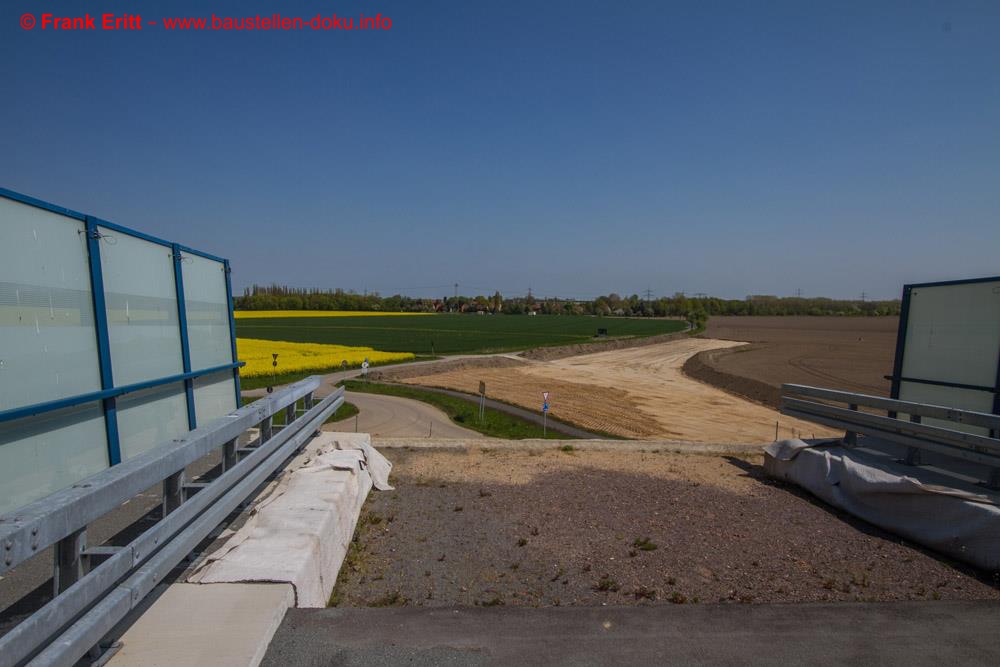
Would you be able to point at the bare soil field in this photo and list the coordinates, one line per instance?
(541, 528)
(638, 392)
(849, 353)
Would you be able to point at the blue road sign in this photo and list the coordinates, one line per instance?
(545, 407)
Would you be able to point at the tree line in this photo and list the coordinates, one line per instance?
(693, 308)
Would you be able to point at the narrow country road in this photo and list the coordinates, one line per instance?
(392, 416)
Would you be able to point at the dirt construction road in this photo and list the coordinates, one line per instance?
(391, 416)
(635, 393)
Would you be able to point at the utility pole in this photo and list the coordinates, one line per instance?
(863, 295)
(798, 293)
(456, 291)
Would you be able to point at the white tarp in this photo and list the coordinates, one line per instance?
(960, 522)
(300, 532)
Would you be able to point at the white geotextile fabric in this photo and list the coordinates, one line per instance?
(957, 522)
(300, 532)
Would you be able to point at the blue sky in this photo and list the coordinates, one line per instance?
(574, 147)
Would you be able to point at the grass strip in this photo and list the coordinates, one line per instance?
(465, 413)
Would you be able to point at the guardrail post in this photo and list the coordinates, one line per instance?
(290, 414)
(173, 492)
(69, 560)
(851, 437)
(912, 453)
(265, 430)
(229, 458)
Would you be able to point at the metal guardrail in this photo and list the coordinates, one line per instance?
(89, 602)
(911, 432)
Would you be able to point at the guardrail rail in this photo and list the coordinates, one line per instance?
(96, 587)
(827, 407)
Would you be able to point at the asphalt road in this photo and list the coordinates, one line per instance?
(392, 416)
(896, 633)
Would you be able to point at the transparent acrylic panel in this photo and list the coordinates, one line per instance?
(207, 302)
(151, 417)
(44, 453)
(953, 334)
(48, 345)
(214, 396)
(949, 397)
(141, 299)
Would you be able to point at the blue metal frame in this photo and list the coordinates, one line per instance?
(109, 392)
(103, 340)
(104, 394)
(182, 323)
(232, 333)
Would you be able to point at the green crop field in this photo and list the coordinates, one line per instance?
(450, 334)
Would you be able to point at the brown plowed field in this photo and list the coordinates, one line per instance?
(849, 353)
(635, 393)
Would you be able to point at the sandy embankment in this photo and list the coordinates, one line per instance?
(635, 393)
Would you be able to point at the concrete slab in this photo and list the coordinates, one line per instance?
(900, 633)
(210, 624)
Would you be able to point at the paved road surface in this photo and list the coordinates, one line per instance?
(841, 633)
(393, 416)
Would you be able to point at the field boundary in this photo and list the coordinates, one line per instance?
(704, 367)
(552, 353)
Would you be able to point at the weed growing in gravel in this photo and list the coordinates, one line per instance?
(644, 544)
(458, 508)
(393, 599)
(495, 602)
(567, 448)
(643, 593)
(606, 584)
(677, 597)
(521, 542)
(484, 494)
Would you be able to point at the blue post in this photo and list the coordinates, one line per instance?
(232, 332)
(103, 339)
(182, 324)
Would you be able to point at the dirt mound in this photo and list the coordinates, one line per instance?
(708, 367)
(563, 351)
(633, 393)
(404, 372)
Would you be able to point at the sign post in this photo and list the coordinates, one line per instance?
(482, 399)
(364, 369)
(545, 413)
(274, 370)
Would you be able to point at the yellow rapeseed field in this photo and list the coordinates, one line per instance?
(242, 314)
(299, 357)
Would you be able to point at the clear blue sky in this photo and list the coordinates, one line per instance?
(576, 147)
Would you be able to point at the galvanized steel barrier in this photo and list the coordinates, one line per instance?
(90, 601)
(961, 434)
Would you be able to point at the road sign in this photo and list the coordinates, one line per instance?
(545, 396)
(545, 406)
(482, 387)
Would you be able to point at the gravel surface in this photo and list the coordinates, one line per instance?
(501, 527)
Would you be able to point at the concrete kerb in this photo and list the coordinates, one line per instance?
(666, 446)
